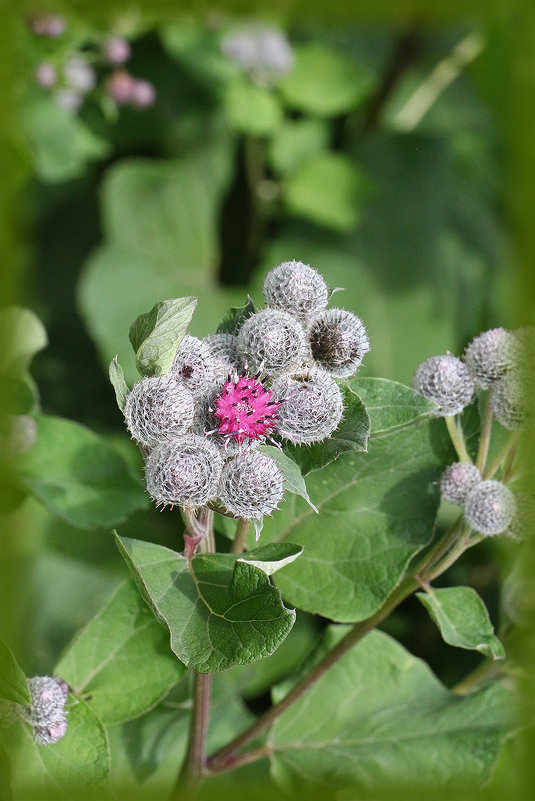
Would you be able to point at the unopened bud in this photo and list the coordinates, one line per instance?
(194, 365)
(339, 342)
(273, 340)
(120, 86)
(296, 288)
(446, 381)
(143, 94)
(52, 732)
(512, 400)
(311, 406)
(489, 507)
(158, 407)
(251, 485)
(117, 50)
(80, 75)
(490, 356)
(183, 471)
(46, 75)
(457, 480)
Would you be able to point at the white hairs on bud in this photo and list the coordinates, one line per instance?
(311, 405)
(338, 341)
(489, 507)
(490, 356)
(511, 400)
(195, 366)
(457, 480)
(273, 340)
(446, 381)
(223, 349)
(52, 732)
(158, 407)
(183, 471)
(251, 485)
(296, 288)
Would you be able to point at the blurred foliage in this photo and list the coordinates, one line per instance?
(359, 161)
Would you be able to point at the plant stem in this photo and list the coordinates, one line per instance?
(240, 539)
(457, 438)
(510, 443)
(485, 670)
(195, 763)
(228, 756)
(484, 442)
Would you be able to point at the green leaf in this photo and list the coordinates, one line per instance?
(61, 143)
(380, 720)
(220, 611)
(329, 190)
(233, 319)
(13, 685)
(251, 109)
(324, 82)
(351, 435)
(119, 384)
(272, 557)
(121, 660)
(377, 511)
(293, 479)
(17, 395)
(78, 476)
(78, 762)
(389, 404)
(156, 335)
(296, 142)
(463, 619)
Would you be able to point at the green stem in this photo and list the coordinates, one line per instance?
(195, 762)
(457, 438)
(240, 539)
(229, 757)
(485, 670)
(510, 443)
(484, 442)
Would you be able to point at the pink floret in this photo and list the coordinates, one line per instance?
(245, 409)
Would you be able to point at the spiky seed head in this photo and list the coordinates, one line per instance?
(512, 401)
(52, 732)
(523, 523)
(183, 471)
(158, 407)
(195, 366)
(490, 356)
(489, 507)
(47, 700)
(271, 339)
(446, 381)
(339, 341)
(245, 410)
(457, 480)
(296, 288)
(311, 405)
(223, 349)
(251, 485)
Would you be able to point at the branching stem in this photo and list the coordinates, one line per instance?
(510, 443)
(484, 442)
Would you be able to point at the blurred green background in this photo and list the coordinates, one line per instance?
(383, 156)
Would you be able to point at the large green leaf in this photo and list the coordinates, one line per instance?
(222, 610)
(251, 109)
(156, 335)
(161, 241)
(13, 685)
(78, 476)
(328, 189)
(324, 82)
(351, 435)
(389, 404)
(380, 720)
(376, 511)
(76, 764)
(121, 660)
(463, 619)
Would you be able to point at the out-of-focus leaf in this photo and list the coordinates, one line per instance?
(62, 145)
(325, 82)
(78, 476)
(13, 685)
(296, 142)
(329, 190)
(119, 384)
(252, 109)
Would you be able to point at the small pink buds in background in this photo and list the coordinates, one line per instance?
(48, 25)
(143, 95)
(120, 87)
(46, 75)
(117, 50)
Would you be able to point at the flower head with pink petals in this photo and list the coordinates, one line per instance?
(245, 409)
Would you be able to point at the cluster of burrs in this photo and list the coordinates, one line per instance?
(46, 711)
(200, 425)
(500, 362)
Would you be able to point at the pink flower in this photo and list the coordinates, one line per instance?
(245, 408)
